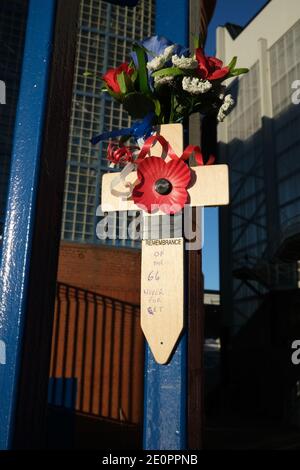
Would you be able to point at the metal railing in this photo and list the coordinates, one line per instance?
(97, 355)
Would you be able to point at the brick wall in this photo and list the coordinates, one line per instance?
(114, 272)
(97, 345)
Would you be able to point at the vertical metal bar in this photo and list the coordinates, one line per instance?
(195, 296)
(56, 331)
(74, 373)
(65, 347)
(20, 212)
(195, 323)
(131, 367)
(165, 385)
(102, 358)
(83, 388)
(121, 355)
(30, 415)
(111, 357)
(94, 343)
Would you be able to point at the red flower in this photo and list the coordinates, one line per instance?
(162, 185)
(110, 77)
(210, 68)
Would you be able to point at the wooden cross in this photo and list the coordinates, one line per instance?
(162, 275)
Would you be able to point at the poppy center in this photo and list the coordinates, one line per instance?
(163, 186)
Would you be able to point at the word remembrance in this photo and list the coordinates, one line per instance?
(162, 85)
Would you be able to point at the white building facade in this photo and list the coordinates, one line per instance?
(260, 140)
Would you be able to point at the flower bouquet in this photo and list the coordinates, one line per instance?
(165, 79)
(164, 84)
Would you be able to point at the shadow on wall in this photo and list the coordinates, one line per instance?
(262, 380)
(96, 373)
(259, 273)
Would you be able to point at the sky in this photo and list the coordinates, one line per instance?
(227, 11)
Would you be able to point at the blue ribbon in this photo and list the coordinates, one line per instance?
(138, 129)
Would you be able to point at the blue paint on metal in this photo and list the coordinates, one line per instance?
(165, 385)
(20, 213)
(172, 20)
(165, 401)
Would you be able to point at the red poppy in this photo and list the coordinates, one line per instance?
(210, 68)
(162, 185)
(111, 76)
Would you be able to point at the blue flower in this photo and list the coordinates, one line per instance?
(156, 45)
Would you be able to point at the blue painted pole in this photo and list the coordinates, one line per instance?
(20, 213)
(165, 386)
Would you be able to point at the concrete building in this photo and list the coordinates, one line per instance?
(260, 232)
(105, 37)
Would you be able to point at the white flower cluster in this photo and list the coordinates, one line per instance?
(222, 93)
(163, 80)
(195, 85)
(185, 63)
(225, 108)
(158, 62)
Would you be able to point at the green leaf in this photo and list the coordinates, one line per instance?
(88, 74)
(169, 72)
(142, 69)
(114, 95)
(196, 41)
(232, 64)
(122, 82)
(134, 76)
(125, 83)
(172, 110)
(236, 72)
(138, 105)
(157, 108)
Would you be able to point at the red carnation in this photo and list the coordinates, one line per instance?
(162, 185)
(210, 68)
(111, 76)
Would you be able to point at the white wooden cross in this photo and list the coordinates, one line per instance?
(162, 275)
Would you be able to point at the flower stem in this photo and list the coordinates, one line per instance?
(172, 111)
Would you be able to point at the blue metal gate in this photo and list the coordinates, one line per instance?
(165, 411)
(165, 407)
(20, 209)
